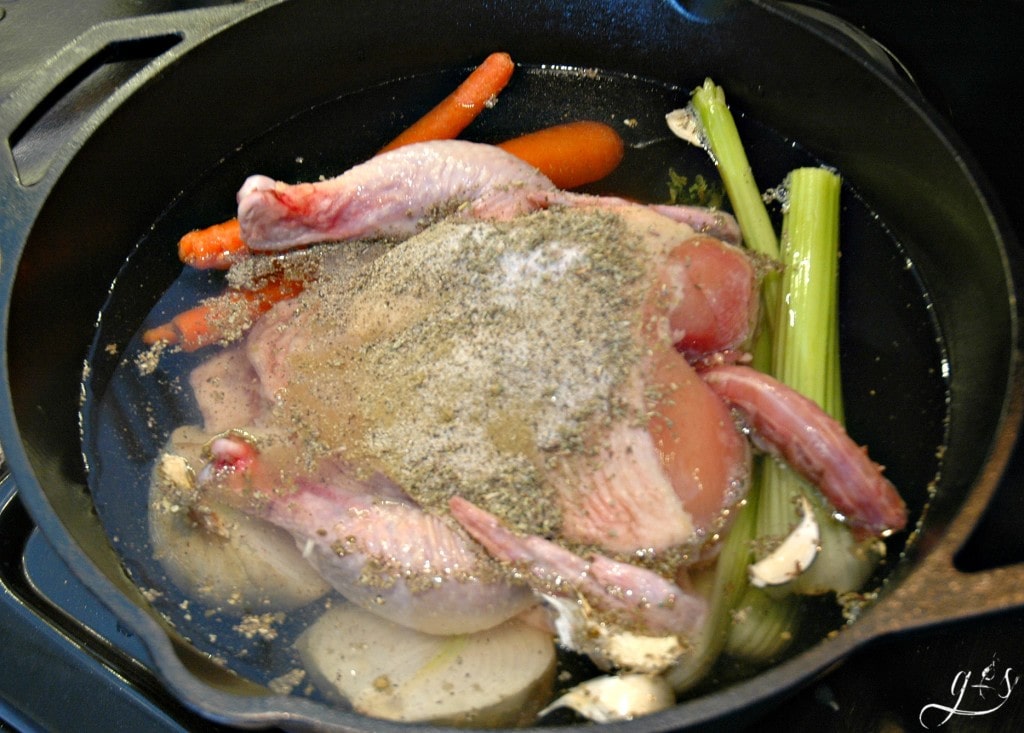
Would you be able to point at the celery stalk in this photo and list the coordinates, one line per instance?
(802, 342)
(775, 518)
(805, 355)
(766, 623)
(799, 345)
(797, 355)
(726, 149)
(763, 623)
(800, 352)
(723, 587)
(763, 626)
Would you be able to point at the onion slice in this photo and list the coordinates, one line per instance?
(215, 553)
(493, 678)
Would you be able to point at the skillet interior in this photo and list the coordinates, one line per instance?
(896, 391)
(874, 132)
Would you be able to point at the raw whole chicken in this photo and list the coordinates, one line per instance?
(519, 393)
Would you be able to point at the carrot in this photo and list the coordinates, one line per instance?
(222, 317)
(454, 113)
(572, 154)
(218, 246)
(215, 247)
(191, 329)
(165, 332)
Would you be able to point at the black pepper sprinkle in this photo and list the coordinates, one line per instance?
(462, 359)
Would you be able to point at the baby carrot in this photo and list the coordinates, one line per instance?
(215, 247)
(454, 113)
(221, 318)
(572, 154)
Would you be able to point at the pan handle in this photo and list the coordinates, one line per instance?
(936, 590)
(45, 120)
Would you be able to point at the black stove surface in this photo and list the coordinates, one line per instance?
(67, 665)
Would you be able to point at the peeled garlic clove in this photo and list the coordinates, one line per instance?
(793, 556)
(684, 124)
(616, 697)
(639, 653)
(177, 472)
(609, 648)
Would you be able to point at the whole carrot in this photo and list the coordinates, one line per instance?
(215, 247)
(218, 246)
(454, 113)
(572, 154)
(221, 318)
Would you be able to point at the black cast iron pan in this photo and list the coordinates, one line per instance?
(182, 106)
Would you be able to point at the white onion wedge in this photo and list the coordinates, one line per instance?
(494, 678)
(237, 563)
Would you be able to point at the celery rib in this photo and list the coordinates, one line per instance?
(799, 345)
(802, 338)
(806, 353)
(723, 141)
(727, 151)
(723, 589)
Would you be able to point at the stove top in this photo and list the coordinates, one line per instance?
(66, 664)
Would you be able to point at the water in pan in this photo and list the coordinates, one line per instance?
(892, 354)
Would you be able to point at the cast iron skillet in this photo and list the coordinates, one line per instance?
(191, 94)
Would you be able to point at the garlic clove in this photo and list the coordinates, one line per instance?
(684, 124)
(611, 648)
(793, 556)
(616, 697)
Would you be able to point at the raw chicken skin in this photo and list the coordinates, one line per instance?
(401, 193)
(394, 195)
(852, 482)
(523, 362)
(652, 603)
(227, 390)
(649, 490)
(355, 531)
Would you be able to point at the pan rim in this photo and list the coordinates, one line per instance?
(1008, 424)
